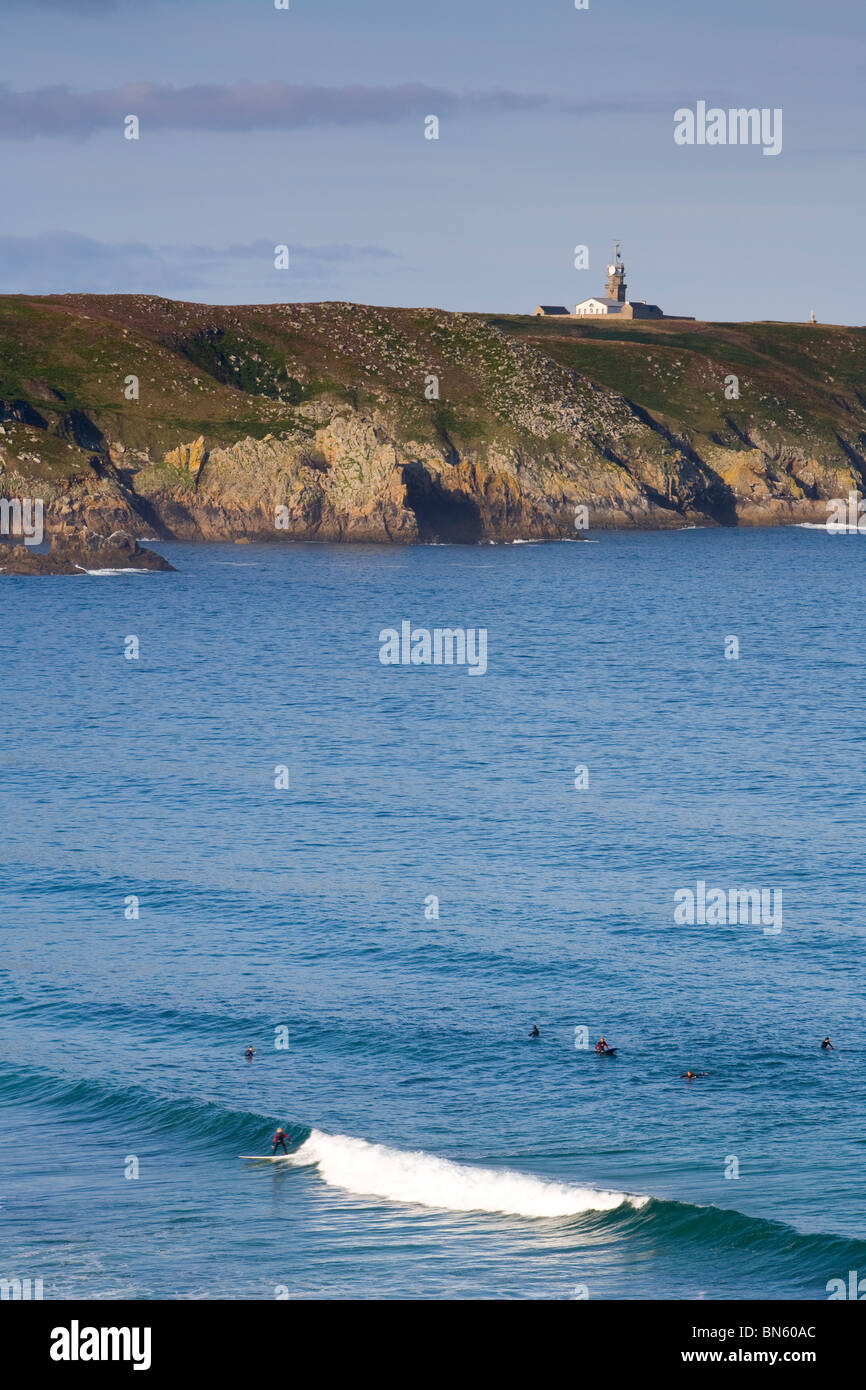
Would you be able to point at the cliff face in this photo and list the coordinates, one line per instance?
(343, 422)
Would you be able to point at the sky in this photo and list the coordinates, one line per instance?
(305, 127)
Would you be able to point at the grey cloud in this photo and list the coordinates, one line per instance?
(74, 7)
(66, 263)
(246, 106)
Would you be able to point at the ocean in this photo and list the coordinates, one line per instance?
(380, 877)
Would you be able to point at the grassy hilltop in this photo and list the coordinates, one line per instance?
(329, 412)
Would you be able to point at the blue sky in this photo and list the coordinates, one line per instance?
(306, 127)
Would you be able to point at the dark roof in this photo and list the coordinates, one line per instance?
(553, 308)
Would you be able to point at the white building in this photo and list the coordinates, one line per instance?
(613, 301)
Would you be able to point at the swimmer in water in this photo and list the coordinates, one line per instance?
(535, 1033)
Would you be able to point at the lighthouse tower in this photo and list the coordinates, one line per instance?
(616, 286)
(614, 300)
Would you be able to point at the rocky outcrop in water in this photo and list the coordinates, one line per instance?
(82, 552)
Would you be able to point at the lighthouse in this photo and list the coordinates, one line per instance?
(613, 301)
(616, 286)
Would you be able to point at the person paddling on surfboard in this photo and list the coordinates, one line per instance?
(279, 1141)
(827, 1045)
(602, 1047)
(692, 1075)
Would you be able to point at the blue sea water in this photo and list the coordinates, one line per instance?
(442, 1152)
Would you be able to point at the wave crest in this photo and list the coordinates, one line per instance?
(375, 1170)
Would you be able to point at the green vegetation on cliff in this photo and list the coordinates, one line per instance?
(373, 423)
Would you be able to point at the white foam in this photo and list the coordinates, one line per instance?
(374, 1170)
(110, 571)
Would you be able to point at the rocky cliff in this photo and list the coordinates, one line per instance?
(345, 422)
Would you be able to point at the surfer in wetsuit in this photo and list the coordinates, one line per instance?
(535, 1033)
(692, 1075)
(601, 1045)
(250, 1054)
(279, 1141)
(827, 1045)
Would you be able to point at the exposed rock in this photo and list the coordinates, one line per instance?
(320, 424)
(82, 431)
(22, 411)
(78, 551)
(188, 456)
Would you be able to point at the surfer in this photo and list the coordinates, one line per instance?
(535, 1033)
(827, 1045)
(692, 1075)
(279, 1141)
(250, 1054)
(601, 1046)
